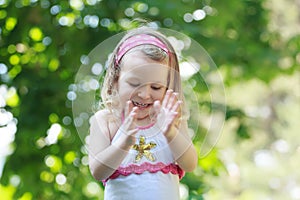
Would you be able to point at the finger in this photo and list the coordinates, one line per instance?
(133, 131)
(174, 111)
(156, 111)
(172, 101)
(127, 108)
(130, 119)
(131, 106)
(166, 98)
(133, 110)
(176, 106)
(133, 115)
(157, 107)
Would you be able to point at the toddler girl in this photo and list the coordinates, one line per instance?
(139, 145)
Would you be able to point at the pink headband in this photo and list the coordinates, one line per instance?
(137, 40)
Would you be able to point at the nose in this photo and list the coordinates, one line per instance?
(144, 92)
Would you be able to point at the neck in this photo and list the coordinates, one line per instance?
(140, 121)
(144, 122)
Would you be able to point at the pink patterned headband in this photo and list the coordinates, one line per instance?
(137, 40)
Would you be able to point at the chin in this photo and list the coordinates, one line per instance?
(142, 116)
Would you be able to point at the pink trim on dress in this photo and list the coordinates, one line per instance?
(146, 127)
(152, 168)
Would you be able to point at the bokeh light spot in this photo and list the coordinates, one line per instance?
(53, 64)
(60, 179)
(3, 68)
(46, 176)
(70, 157)
(199, 14)
(14, 59)
(10, 23)
(53, 118)
(36, 34)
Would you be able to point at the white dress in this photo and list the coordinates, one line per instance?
(147, 172)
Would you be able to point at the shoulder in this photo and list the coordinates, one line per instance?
(104, 121)
(104, 115)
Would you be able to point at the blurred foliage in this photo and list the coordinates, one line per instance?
(43, 43)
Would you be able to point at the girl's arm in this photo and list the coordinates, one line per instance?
(177, 136)
(105, 157)
(182, 147)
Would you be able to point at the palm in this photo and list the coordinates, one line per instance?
(167, 112)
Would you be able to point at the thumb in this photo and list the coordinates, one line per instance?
(128, 108)
(157, 107)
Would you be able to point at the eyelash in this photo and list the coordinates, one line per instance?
(153, 87)
(156, 87)
(133, 85)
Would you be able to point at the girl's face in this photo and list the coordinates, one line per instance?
(142, 81)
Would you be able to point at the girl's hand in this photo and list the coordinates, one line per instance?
(167, 112)
(128, 128)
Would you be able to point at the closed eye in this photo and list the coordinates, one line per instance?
(133, 84)
(156, 87)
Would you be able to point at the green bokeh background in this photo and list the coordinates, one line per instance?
(254, 43)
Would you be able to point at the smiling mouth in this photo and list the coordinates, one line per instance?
(140, 105)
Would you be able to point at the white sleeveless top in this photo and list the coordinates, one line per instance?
(147, 172)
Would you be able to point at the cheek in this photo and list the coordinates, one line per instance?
(125, 93)
(160, 95)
